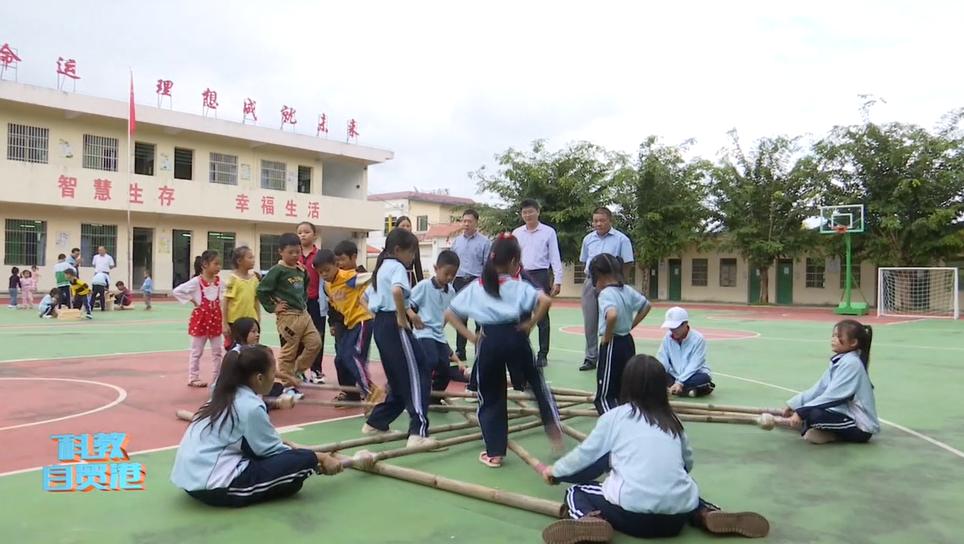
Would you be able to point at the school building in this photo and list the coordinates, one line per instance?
(197, 183)
(436, 221)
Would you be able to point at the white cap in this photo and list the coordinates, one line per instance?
(675, 317)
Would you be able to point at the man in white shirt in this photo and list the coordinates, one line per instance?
(102, 262)
(603, 239)
(540, 253)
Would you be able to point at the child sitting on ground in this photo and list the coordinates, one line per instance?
(841, 405)
(649, 492)
(683, 354)
(212, 466)
(123, 299)
(48, 306)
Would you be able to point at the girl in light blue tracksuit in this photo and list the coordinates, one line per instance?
(841, 405)
(230, 454)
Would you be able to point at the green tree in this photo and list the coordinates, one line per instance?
(568, 184)
(761, 200)
(663, 203)
(911, 182)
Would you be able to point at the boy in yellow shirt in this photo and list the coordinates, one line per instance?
(346, 294)
(79, 292)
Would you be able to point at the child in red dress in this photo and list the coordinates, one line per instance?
(204, 292)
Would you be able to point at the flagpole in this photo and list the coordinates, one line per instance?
(130, 179)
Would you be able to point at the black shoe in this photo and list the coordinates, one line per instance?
(588, 365)
(541, 361)
(276, 390)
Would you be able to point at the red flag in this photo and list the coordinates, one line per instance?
(130, 118)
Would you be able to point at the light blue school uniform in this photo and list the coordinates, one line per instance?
(148, 286)
(392, 273)
(45, 304)
(682, 360)
(627, 301)
(516, 297)
(430, 300)
(100, 278)
(844, 388)
(210, 457)
(650, 468)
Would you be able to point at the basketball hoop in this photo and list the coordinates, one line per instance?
(840, 229)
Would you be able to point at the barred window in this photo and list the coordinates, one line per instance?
(144, 158)
(94, 235)
(304, 179)
(223, 243)
(579, 274)
(700, 274)
(269, 250)
(100, 153)
(273, 175)
(224, 168)
(26, 143)
(815, 272)
(727, 272)
(422, 223)
(389, 224)
(183, 163)
(25, 242)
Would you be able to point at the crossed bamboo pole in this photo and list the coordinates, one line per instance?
(373, 462)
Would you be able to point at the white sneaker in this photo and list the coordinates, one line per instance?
(314, 377)
(368, 429)
(293, 393)
(48, 317)
(416, 441)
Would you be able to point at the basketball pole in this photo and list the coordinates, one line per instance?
(847, 307)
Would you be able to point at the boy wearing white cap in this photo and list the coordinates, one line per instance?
(683, 353)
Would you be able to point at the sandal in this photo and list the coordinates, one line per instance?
(197, 383)
(491, 462)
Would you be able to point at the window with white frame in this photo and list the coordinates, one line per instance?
(26, 143)
(224, 168)
(100, 153)
(273, 175)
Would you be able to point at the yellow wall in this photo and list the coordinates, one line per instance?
(437, 213)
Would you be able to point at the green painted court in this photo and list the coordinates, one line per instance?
(905, 486)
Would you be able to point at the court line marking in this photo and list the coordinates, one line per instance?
(898, 426)
(121, 395)
(174, 447)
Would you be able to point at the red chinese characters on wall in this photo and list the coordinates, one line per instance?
(267, 205)
(249, 109)
(7, 56)
(136, 193)
(68, 186)
(352, 129)
(164, 87)
(242, 203)
(210, 99)
(288, 116)
(67, 68)
(165, 195)
(291, 207)
(322, 125)
(102, 190)
(313, 209)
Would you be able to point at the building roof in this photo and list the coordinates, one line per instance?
(79, 106)
(424, 197)
(441, 230)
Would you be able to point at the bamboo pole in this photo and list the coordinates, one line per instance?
(475, 491)
(185, 415)
(726, 408)
(573, 392)
(578, 435)
(451, 394)
(524, 454)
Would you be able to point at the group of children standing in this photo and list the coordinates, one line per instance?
(22, 285)
(638, 439)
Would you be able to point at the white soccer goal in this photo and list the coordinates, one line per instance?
(918, 292)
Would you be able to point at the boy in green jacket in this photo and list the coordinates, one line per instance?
(283, 292)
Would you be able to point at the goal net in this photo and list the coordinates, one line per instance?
(918, 292)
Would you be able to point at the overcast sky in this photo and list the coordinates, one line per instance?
(446, 85)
